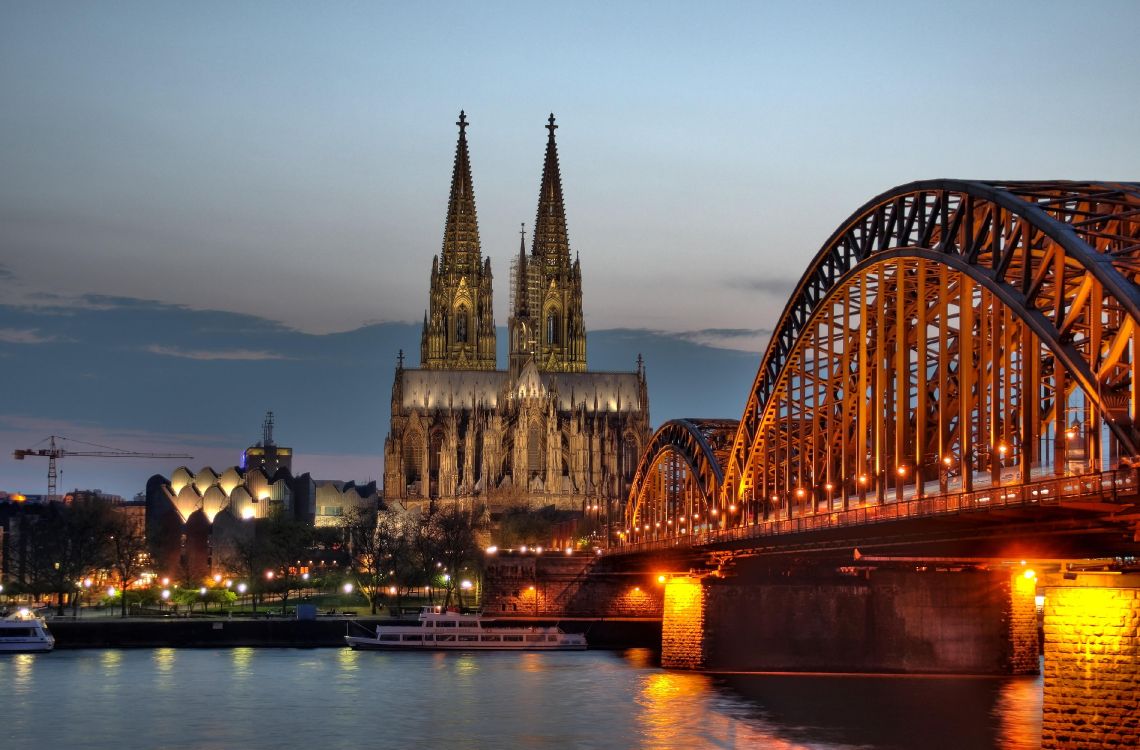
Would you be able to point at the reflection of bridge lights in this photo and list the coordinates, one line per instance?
(800, 492)
(901, 470)
(682, 529)
(661, 579)
(1002, 448)
(1071, 432)
(829, 486)
(1030, 574)
(948, 460)
(775, 498)
(712, 512)
(732, 508)
(862, 479)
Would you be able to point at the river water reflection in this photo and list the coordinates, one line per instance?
(325, 698)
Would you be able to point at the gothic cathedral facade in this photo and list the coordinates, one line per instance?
(544, 431)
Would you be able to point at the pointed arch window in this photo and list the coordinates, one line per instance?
(536, 449)
(629, 457)
(461, 324)
(552, 327)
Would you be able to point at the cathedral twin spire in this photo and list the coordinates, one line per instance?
(546, 322)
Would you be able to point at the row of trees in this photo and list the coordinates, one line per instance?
(394, 554)
(386, 553)
(64, 543)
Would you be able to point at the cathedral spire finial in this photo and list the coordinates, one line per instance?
(462, 123)
(551, 126)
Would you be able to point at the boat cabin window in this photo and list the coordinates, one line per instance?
(17, 633)
(389, 636)
(512, 638)
(468, 637)
(447, 624)
(415, 637)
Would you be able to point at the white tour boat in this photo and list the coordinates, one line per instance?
(451, 631)
(24, 632)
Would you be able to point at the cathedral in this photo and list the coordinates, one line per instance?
(545, 431)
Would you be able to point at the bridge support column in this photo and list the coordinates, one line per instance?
(684, 635)
(1092, 663)
(1024, 645)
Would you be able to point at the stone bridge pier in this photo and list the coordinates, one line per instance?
(1092, 661)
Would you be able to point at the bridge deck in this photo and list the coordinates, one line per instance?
(1111, 495)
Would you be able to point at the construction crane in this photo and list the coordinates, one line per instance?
(55, 452)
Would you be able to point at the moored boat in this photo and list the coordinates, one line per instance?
(23, 632)
(452, 631)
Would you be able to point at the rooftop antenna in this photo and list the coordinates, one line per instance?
(267, 429)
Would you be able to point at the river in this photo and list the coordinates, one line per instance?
(329, 699)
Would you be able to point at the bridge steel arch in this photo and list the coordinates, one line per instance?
(678, 479)
(949, 326)
(948, 333)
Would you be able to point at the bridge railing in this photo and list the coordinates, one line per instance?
(1106, 487)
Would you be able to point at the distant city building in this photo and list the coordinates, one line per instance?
(267, 455)
(545, 430)
(20, 513)
(191, 514)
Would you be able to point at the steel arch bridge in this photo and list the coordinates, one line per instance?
(949, 338)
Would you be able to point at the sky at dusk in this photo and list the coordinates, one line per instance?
(209, 210)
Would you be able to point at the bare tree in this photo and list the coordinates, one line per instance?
(70, 542)
(457, 547)
(126, 553)
(375, 544)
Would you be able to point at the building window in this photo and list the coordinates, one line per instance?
(413, 457)
(629, 457)
(461, 321)
(552, 327)
(434, 454)
(534, 450)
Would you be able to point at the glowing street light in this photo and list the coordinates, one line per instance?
(348, 588)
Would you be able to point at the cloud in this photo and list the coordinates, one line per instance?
(773, 286)
(6, 274)
(724, 333)
(743, 339)
(216, 354)
(25, 336)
